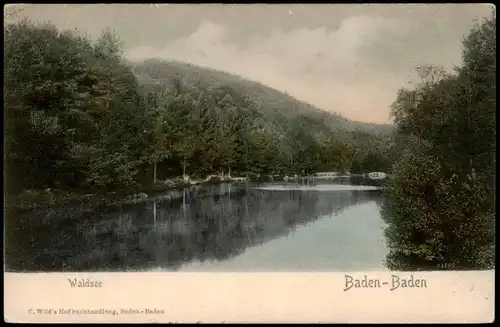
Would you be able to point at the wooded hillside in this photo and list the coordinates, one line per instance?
(79, 116)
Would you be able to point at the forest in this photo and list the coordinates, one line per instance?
(79, 116)
(440, 205)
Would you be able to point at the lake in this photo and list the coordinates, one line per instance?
(329, 226)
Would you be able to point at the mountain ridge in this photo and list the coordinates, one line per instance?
(272, 102)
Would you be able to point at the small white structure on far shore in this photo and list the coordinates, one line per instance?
(377, 175)
(326, 175)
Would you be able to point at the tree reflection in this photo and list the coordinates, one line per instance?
(205, 223)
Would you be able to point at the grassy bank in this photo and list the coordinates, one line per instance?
(56, 198)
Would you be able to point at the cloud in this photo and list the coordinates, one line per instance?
(348, 58)
(346, 70)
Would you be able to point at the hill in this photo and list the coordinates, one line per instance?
(80, 117)
(273, 104)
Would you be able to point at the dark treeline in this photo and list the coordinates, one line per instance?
(77, 118)
(440, 204)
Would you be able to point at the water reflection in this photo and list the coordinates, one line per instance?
(199, 224)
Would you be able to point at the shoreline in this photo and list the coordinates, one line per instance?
(29, 200)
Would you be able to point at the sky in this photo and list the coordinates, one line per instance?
(345, 58)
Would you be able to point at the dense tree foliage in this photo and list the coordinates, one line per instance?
(264, 139)
(275, 105)
(440, 206)
(79, 117)
(73, 113)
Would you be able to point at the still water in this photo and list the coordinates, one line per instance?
(334, 226)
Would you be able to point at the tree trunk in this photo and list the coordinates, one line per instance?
(154, 173)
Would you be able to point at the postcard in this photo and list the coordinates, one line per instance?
(221, 163)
